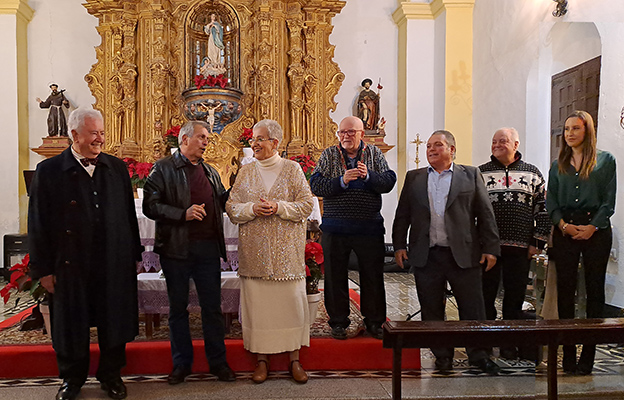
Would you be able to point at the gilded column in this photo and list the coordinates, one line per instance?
(296, 80)
(458, 76)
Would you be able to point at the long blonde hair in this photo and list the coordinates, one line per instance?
(589, 147)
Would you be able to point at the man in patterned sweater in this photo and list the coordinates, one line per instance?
(516, 190)
(351, 177)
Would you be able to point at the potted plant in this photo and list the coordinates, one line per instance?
(244, 140)
(138, 172)
(314, 272)
(20, 281)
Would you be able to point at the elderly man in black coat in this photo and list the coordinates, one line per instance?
(84, 244)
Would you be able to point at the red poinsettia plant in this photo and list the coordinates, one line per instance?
(307, 164)
(171, 137)
(245, 137)
(210, 81)
(314, 266)
(138, 171)
(20, 281)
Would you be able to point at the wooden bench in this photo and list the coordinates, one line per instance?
(420, 334)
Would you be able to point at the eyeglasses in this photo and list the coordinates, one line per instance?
(259, 140)
(348, 132)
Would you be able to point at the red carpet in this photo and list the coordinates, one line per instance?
(149, 358)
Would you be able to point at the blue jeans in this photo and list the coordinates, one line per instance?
(204, 266)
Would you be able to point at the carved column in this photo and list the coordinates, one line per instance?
(296, 79)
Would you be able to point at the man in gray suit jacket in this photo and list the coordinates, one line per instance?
(452, 231)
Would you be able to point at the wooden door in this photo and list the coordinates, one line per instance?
(577, 88)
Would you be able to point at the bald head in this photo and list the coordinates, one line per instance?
(350, 134)
(505, 144)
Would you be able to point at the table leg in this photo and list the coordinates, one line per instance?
(397, 353)
(228, 322)
(156, 321)
(552, 371)
(148, 326)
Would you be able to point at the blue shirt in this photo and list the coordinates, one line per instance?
(438, 187)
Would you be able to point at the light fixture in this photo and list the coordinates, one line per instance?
(561, 9)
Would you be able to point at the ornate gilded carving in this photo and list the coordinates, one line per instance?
(280, 59)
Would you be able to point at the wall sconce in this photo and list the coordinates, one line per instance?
(561, 9)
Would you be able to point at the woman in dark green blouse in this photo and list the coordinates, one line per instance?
(580, 200)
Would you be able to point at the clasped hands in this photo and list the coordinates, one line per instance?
(577, 232)
(265, 208)
(352, 174)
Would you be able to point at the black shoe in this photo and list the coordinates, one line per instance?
(488, 366)
(115, 388)
(178, 375)
(338, 332)
(68, 391)
(375, 331)
(444, 364)
(224, 373)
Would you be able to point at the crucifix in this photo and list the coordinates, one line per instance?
(417, 142)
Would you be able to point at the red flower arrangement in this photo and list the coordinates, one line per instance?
(138, 171)
(171, 137)
(314, 266)
(245, 137)
(211, 81)
(307, 164)
(21, 282)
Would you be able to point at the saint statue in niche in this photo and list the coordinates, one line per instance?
(56, 117)
(212, 64)
(368, 106)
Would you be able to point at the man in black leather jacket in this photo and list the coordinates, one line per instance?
(186, 198)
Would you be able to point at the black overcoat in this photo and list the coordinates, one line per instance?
(94, 263)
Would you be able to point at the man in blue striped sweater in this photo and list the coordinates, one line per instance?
(351, 177)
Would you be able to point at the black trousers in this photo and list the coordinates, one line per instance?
(567, 252)
(75, 368)
(466, 286)
(370, 252)
(513, 265)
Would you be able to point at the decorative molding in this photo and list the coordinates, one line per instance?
(17, 7)
(412, 10)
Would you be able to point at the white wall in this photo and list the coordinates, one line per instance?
(366, 40)
(9, 205)
(61, 49)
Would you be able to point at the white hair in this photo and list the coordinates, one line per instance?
(514, 133)
(77, 117)
(273, 128)
(189, 129)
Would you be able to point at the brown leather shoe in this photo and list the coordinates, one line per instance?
(261, 372)
(297, 372)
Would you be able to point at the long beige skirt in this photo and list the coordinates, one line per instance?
(274, 315)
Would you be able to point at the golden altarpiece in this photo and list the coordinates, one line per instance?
(230, 63)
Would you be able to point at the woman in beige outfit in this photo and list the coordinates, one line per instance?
(270, 201)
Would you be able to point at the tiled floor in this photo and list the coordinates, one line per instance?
(519, 379)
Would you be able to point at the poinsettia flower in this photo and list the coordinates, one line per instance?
(307, 272)
(315, 251)
(143, 169)
(198, 79)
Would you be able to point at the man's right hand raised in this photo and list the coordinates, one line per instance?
(196, 211)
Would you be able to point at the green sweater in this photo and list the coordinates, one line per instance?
(596, 195)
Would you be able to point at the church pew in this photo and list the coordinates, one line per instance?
(420, 334)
